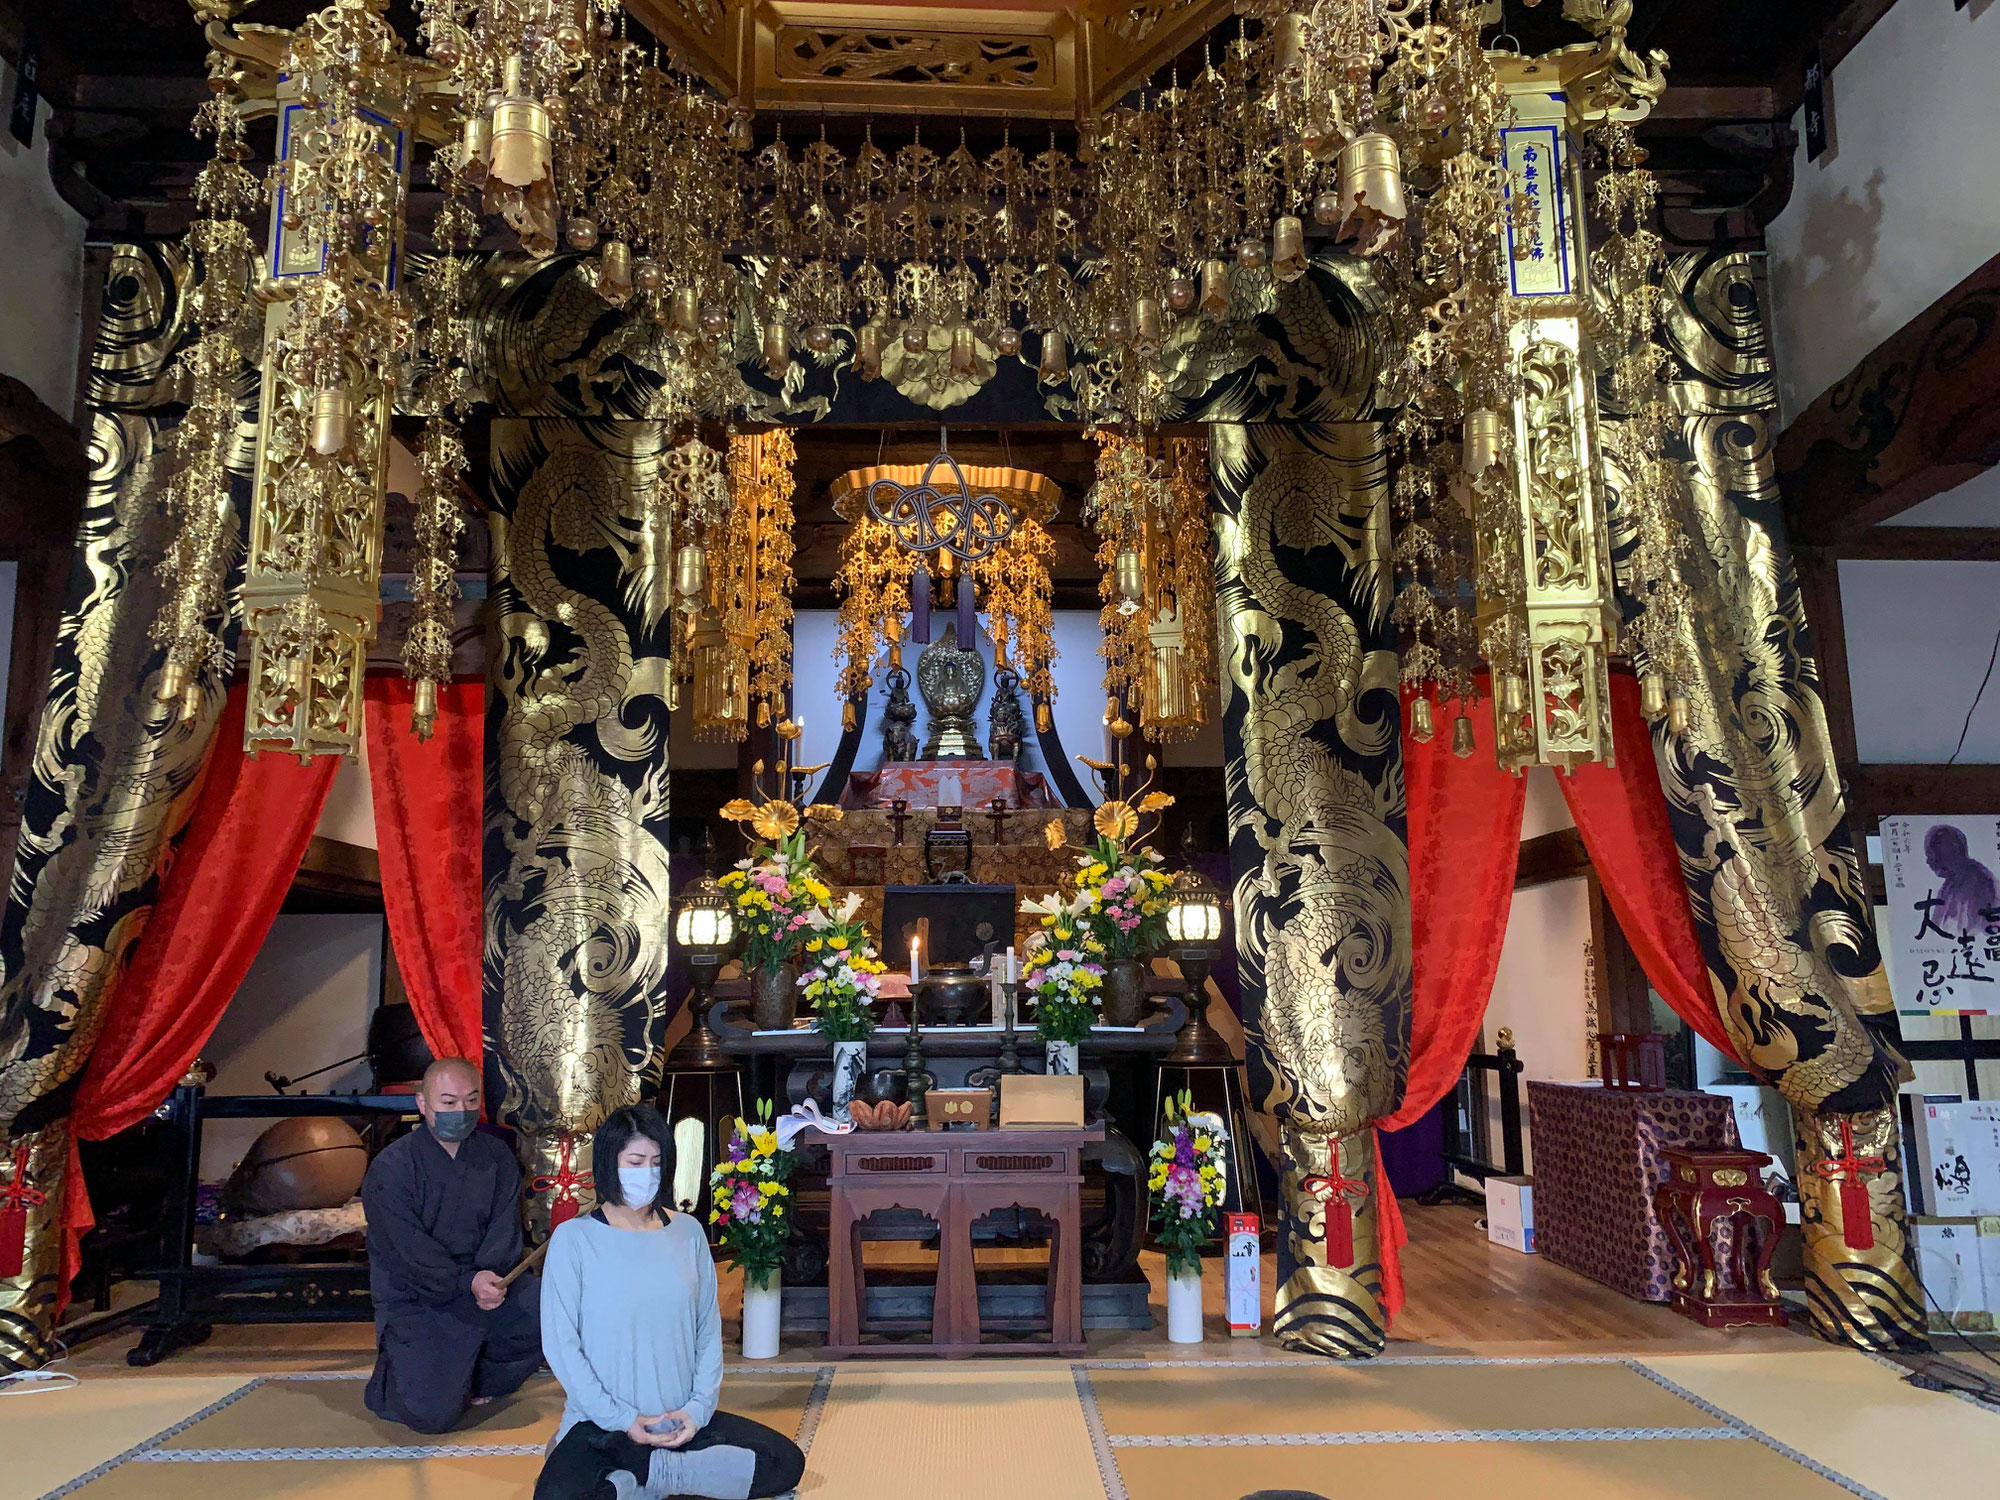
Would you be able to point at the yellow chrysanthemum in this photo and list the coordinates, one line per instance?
(738, 808)
(813, 945)
(775, 820)
(1115, 820)
(838, 943)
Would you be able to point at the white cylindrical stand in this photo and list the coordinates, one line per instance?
(761, 1307)
(1184, 1309)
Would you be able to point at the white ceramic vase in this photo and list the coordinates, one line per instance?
(850, 1066)
(761, 1306)
(1184, 1309)
(1060, 1059)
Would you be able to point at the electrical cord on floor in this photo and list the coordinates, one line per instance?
(41, 1382)
(1962, 1380)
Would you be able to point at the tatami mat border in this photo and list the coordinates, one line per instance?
(815, 1408)
(1430, 1435)
(153, 1442)
(324, 1455)
(1384, 1361)
(1100, 1441)
(1852, 1486)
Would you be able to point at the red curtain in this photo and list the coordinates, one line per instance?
(1622, 816)
(1465, 840)
(429, 799)
(218, 895)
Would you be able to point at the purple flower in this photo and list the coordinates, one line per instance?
(748, 1203)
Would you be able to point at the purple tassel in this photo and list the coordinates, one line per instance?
(968, 617)
(920, 607)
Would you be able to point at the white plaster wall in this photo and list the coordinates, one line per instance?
(1539, 992)
(305, 1002)
(1919, 635)
(1546, 809)
(1907, 204)
(349, 813)
(41, 272)
(1974, 503)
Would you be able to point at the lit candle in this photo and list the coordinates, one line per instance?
(913, 960)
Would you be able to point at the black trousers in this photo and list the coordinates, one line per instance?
(578, 1468)
(431, 1363)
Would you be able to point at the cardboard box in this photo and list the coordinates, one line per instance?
(1958, 1152)
(1245, 1275)
(1510, 1212)
(1950, 1264)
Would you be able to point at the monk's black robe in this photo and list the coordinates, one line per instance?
(434, 1220)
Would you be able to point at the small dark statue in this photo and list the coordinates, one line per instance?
(1007, 729)
(899, 719)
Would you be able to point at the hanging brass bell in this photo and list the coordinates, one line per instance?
(1145, 326)
(868, 351)
(964, 356)
(1215, 290)
(191, 702)
(1652, 695)
(1513, 696)
(1055, 357)
(1289, 47)
(1422, 726)
(1288, 248)
(777, 349)
(614, 273)
(424, 707)
(173, 678)
(333, 414)
(1462, 742)
(691, 577)
(475, 148)
(519, 151)
(1481, 441)
(847, 717)
(685, 309)
(1677, 715)
(1129, 578)
(1368, 176)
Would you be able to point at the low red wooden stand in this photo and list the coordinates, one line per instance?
(1724, 1227)
(954, 1178)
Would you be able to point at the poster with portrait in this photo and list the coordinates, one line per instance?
(1944, 914)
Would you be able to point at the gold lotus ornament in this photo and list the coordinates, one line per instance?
(1116, 820)
(1154, 801)
(775, 820)
(739, 809)
(824, 812)
(1056, 833)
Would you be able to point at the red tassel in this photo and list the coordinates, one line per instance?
(1339, 1233)
(17, 1196)
(562, 1211)
(13, 1241)
(1857, 1223)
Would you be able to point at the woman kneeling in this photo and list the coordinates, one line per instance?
(631, 1328)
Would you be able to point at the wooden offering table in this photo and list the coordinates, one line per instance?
(954, 1177)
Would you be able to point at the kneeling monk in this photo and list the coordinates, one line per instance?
(444, 1225)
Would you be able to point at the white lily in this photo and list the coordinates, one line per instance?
(850, 906)
(1050, 905)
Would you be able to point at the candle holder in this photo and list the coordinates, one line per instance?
(916, 1078)
(1010, 1053)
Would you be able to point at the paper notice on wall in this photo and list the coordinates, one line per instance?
(1944, 914)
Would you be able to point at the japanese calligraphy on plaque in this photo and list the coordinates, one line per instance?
(1538, 236)
(1944, 914)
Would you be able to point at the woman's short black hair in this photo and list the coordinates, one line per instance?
(619, 1130)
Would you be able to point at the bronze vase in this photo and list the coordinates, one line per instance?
(774, 997)
(1124, 992)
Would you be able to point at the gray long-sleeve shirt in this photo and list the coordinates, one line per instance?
(630, 1323)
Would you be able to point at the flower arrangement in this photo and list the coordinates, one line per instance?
(777, 891)
(1122, 891)
(1064, 976)
(1187, 1180)
(843, 975)
(749, 1191)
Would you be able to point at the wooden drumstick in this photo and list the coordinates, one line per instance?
(528, 1263)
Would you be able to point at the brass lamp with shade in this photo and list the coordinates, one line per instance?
(705, 932)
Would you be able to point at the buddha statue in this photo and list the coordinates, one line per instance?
(952, 682)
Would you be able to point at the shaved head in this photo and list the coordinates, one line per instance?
(448, 1071)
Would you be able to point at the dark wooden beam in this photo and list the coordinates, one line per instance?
(1552, 856)
(1819, 587)
(1624, 1002)
(334, 868)
(1924, 544)
(1918, 416)
(1875, 792)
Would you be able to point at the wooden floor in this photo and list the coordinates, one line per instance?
(1465, 1296)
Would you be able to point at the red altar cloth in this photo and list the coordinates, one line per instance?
(916, 782)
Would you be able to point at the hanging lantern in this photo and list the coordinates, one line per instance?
(1168, 700)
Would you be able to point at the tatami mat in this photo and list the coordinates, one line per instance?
(50, 1437)
(967, 1432)
(1858, 1417)
(332, 1414)
(1639, 1470)
(480, 1478)
(1391, 1398)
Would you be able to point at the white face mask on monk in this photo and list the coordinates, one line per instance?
(638, 1187)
